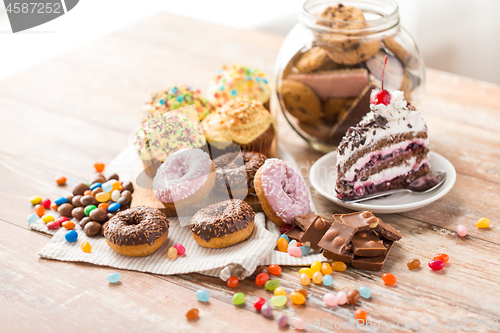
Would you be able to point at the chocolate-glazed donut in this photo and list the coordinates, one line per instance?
(137, 232)
(223, 224)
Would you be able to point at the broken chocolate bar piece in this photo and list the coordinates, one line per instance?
(315, 232)
(373, 263)
(364, 221)
(295, 233)
(368, 244)
(387, 231)
(337, 238)
(346, 257)
(304, 221)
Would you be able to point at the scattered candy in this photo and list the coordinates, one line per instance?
(180, 249)
(307, 271)
(483, 223)
(285, 237)
(436, 265)
(442, 256)
(274, 269)
(365, 292)
(172, 253)
(305, 250)
(316, 266)
(33, 218)
(107, 187)
(46, 203)
(94, 186)
(71, 236)
(267, 311)
(339, 266)
(360, 315)
(114, 207)
(259, 302)
(292, 243)
(88, 209)
(39, 210)
(60, 200)
(327, 280)
(238, 298)
(278, 301)
(114, 277)
(69, 225)
(294, 251)
(297, 298)
(317, 278)
(279, 292)
(261, 279)
(282, 245)
(282, 321)
(61, 180)
(86, 247)
(302, 291)
(304, 279)
(413, 264)
(35, 200)
(341, 297)
(102, 196)
(461, 230)
(99, 167)
(285, 228)
(326, 268)
(192, 314)
(115, 195)
(53, 225)
(233, 282)
(48, 218)
(202, 295)
(389, 279)
(330, 299)
(272, 284)
(353, 296)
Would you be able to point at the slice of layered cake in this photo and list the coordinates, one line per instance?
(386, 150)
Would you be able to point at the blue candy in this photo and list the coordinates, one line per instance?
(114, 277)
(95, 185)
(61, 200)
(365, 292)
(202, 295)
(71, 236)
(32, 218)
(114, 207)
(107, 187)
(285, 237)
(327, 280)
(305, 250)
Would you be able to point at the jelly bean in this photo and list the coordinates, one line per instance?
(436, 265)
(114, 207)
(338, 266)
(278, 301)
(180, 249)
(302, 291)
(71, 236)
(192, 314)
(282, 245)
(274, 269)
(53, 225)
(202, 295)
(299, 244)
(116, 186)
(389, 279)
(327, 280)
(238, 298)
(62, 219)
(115, 195)
(285, 237)
(261, 279)
(107, 187)
(33, 218)
(442, 256)
(353, 296)
(461, 230)
(285, 228)
(330, 299)
(61, 180)
(68, 225)
(54, 207)
(317, 278)
(483, 223)
(99, 167)
(120, 188)
(282, 321)
(272, 284)
(46, 203)
(60, 200)
(87, 192)
(94, 186)
(360, 315)
(259, 302)
(103, 206)
(39, 210)
(35, 200)
(48, 218)
(88, 209)
(365, 292)
(326, 268)
(341, 297)
(266, 310)
(279, 292)
(233, 282)
(114, 277)
(172, 253)
(413, 264)
(102, 196)
(297, 298)
(86, 247)
(293, 243)
(316, 266)
(294, 251)
(308, 271)
(304, 279)
(305, 250)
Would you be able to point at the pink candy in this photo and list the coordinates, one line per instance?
(180, 249)
(53, 225)
(341, 297)
(294, 251)
(330, 299)
(461, 230)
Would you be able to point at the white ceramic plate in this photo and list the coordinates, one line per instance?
(323, 175)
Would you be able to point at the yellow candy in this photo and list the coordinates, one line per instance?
(316, 266)
(48, 218)
(338, 266)
(326, 268)
(297, 298)
(317, 277)
(304, 279)
(307, 271)
(172, 253)
(279, 291)
(35, 200)
(102, 196)
(116, 185)
(483, 223)
(282, 245)
(86, 247)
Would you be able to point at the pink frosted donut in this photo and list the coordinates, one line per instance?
(282, 192)
(184, 178)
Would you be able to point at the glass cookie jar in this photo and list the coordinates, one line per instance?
(331, 60)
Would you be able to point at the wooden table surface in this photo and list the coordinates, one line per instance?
(61, 116)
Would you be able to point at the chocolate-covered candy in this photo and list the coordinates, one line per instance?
(114, 176)
(92, 228)
(84, 221)
(69, 198)
(65, 209)
(80, 188)
(78, 213)
(96, 190)
(126, 197)
(76, 201)
(128, 186)
(98, 215)
(88, 200)
(98, 179)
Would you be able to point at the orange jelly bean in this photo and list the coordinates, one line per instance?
(54, 207)
(389, 279)
(360, 315)
(69, 225)
(88, 192)
(274, 269)
(192, 314)
(282, 245)
(39, 210)
(442, 256)
(103, 206)
(413, 264)
(61, 180)
(85, 246)
(338, 266)
(297, 298)
(233, 282)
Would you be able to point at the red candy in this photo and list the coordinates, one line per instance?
(259, 302)
(274, 269)
(285, 228)
(46, 203)
(261, 279)
(61, 219)
(436, 265)
(233, 282)
(53, 225)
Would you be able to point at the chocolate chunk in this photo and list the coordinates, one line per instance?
(337, 238)
(387, 231)
(367, 244)
(295, 233)
(92, 228)
(78, 213)
(65, 209)
(98, 215)
(304, 221)
(88, 200)
(114, 176)
(76, 201)
(127, 197)
(346, 257)
(373, 263)
(80, 188)
(364, 221)
(84, 221)
(96, 190)
(128, 186)
(315, 232)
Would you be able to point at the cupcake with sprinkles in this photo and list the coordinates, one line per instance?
(174, 98)
(160, 136)
(238, 81)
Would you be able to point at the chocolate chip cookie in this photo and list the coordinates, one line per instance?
(300, 101)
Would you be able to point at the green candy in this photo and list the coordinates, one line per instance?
(88, 209)
(238, 298)
(272, 284)
(278, 301)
